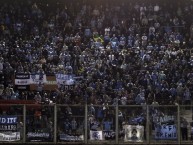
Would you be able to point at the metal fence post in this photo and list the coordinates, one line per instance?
(117, 124)
(86, 125)
(55, 123)
(179, 132)
(147, 126)
(24, 123)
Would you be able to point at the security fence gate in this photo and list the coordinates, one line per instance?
(96, 124)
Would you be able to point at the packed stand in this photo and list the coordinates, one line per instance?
(128, 52)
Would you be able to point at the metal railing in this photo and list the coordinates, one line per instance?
(96, 124)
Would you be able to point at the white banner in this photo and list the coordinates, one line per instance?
(22, 81)
(134, 133)
(96, 135)
(38, 134)
(27, 79)
(66, 137)
(63, 79)
(36, 79)
(10, 136)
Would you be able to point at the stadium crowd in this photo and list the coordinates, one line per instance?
(128, 52)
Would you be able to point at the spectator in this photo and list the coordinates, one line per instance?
(107, 45)
(38, 98)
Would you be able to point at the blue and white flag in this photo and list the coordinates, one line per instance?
(96, 135)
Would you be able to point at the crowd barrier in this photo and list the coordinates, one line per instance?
(95, 124)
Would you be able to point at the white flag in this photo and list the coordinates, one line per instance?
(96, 135)
(134, 133)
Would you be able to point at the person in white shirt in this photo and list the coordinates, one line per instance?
(144, 39)
(38, 98)
(111, 57)
(144, 20)
(156, 8)
(187, 96)
(151, 29)
(123, 100)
